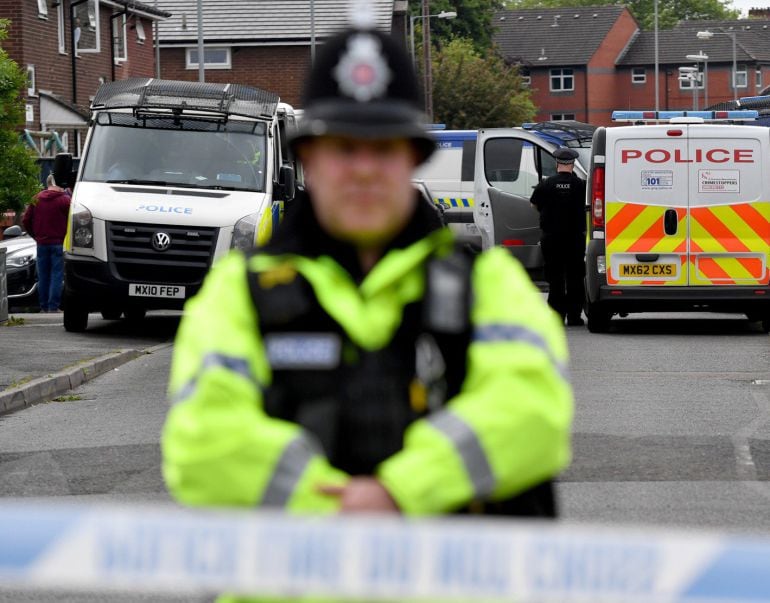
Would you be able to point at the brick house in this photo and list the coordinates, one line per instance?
(267, 44)
(114, 40)
(582, 63)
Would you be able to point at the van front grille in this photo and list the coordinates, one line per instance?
(183, 261)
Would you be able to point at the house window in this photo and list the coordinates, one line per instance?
(758, 78)
(31, 86)
(562, 116)
(526, 81)
(687, 83)
(119, 38)
(562, 80)
(140, 35)
(638, 75)
(741, 77)
(42, 9)
(214, 58)
(61, 30)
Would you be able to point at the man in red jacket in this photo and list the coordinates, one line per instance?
(46, 221)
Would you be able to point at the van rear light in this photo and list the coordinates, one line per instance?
(512, 242)
(597, 197)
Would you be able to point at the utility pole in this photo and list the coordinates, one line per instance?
(427, 74)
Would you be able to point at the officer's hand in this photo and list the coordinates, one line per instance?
(362, 494)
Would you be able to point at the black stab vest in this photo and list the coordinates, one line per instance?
(358, 403)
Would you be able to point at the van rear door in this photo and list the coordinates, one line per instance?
(510, 162)
(729, 205)
(646, 206)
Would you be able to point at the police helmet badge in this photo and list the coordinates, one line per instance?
(362, 73)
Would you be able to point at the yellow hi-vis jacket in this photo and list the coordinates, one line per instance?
(507, 430)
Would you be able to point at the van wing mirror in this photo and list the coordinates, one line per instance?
(12, 231)
(286, 182)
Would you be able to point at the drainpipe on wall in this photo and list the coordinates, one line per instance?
(585, 99)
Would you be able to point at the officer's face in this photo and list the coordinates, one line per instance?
(361, 189)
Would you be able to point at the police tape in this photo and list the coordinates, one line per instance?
(168, 549)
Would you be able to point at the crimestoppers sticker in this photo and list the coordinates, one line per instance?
(719, 181)
(657, 179)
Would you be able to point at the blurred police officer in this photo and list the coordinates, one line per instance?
(561, 201)
(361, 361)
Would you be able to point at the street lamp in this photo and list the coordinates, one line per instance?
(707, 35)
(427, 79)
(442, 15)
(702, 58)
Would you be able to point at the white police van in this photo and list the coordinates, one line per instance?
(173, 175)
(680, 216)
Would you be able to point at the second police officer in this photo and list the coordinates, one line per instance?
(561, 201)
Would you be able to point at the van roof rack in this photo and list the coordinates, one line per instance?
(645, 116)
(567, 132)
(220, 99)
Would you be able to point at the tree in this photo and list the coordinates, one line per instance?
(19, 173)
(473, 22)
(670, 12)
(472, 91)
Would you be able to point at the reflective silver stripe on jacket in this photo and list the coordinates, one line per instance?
(469, 448)
(498, 332)
(289, 469)
(237, 365)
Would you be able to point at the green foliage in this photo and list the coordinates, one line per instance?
(19, 172)
(471, 90)
(473, 22)
(670, 12)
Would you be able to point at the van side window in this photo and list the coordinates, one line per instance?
(547, 163)
(509, 165)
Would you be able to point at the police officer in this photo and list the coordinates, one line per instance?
(561, 201)
(361, 362)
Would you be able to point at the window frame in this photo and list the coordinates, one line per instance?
(42, 9)
(560, 74)
(742, 74)
(758, 78)
(562, 117)
(141, 35)
(189, 64)
(116, 39)
(636, 77)
(31, 81)
(61, 29)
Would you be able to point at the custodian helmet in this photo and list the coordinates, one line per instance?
(363, 85)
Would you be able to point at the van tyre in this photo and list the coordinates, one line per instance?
(598, 318)
(762, 320)
(134, 314)
(75, 315)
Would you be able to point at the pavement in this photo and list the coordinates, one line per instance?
(40, 361)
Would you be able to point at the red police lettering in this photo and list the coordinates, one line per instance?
(627, 154)
(699, 156)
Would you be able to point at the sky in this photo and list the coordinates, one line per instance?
(745, 5)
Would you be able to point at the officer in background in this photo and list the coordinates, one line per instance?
(561, 201)
(360, 362)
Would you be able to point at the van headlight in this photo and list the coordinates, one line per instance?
(244, 232)
(19, 260)
(82, 228)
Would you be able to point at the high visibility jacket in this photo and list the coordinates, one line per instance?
(505, 431)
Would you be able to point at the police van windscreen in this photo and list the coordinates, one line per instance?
(173, 151)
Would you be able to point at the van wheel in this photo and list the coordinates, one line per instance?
(111, 314)
(75, 315)
(598, 318)
(134, 314)
(762, 320)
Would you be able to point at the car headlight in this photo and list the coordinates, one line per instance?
(82, 228)
(244, 232)
(19, 260)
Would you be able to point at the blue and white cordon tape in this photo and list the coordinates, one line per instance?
(168, 549)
